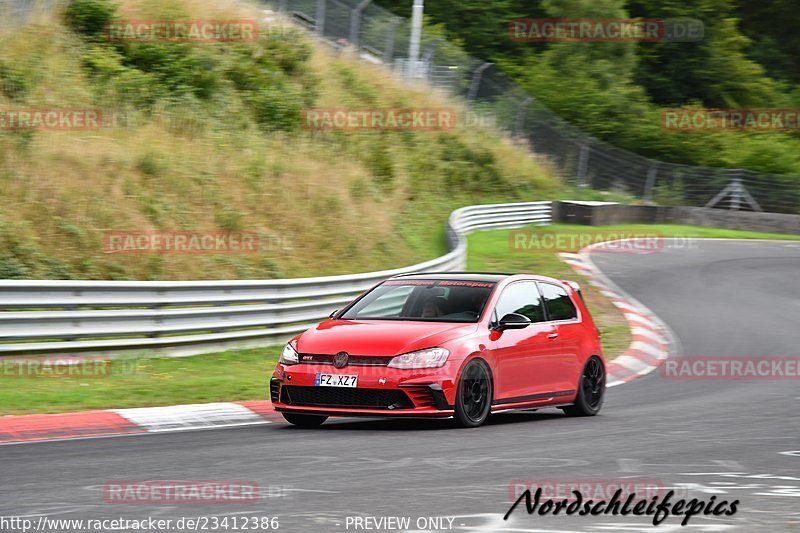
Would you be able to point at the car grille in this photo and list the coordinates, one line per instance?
(353, 360)
(344, 397)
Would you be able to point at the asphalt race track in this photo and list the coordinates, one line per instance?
(731, 439)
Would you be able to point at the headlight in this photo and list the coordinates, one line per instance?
(289, 356)
(428, 358)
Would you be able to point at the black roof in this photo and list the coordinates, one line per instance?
(466, 276)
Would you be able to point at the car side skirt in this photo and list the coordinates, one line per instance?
(547, 399)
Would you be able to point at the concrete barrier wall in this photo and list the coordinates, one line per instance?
(608, 213)
(744, 220)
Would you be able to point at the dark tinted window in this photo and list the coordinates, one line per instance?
(423, 299)
(522, 298)
(559, 305)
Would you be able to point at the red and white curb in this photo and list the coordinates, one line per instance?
(652, 344)
(653, 341)
(93, 424)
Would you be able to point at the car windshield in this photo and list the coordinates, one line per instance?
(429, 300)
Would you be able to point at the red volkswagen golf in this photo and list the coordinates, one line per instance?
(446, 345)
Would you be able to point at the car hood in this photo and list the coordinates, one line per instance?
(378, 337)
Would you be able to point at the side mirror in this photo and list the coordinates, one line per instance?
(513, 321)
(333, 313)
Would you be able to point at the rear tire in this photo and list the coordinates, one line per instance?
(473, 395)
(591, 390)
(305, 421)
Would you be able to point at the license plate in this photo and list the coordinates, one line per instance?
(336, 380)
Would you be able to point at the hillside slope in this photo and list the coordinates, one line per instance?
(208, 136)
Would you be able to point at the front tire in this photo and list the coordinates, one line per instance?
(474, 395)
(591, 390)
(305, 421)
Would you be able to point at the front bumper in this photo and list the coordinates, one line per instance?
(381, 391)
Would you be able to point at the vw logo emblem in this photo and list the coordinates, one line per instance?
(340, 360)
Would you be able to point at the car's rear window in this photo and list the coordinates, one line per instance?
(429, 300)
(559, 306)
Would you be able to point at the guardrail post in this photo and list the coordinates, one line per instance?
(650, 184)
(583, 160)
(388, 51)
(520, 122)
(414, 39)
(427, 57)
(737, 192)
(355, 21)
(476, 81)
(319, 22)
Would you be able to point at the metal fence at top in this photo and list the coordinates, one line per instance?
(17, 12)
(581, 158)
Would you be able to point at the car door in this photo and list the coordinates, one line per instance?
(522, 355)
(564, 368)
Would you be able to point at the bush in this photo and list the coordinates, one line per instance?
(379, 163)
(467, 168)
(11, 268)
(13, 83)
(287, 49)
(89, 17)
(149, 164)
(179, 68)
(276, 108)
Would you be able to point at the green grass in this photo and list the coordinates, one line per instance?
(228, 376)
(681, 230)
(243, 374)
(490, 251)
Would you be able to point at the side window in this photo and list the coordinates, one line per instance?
(559, 305)
(523, 298)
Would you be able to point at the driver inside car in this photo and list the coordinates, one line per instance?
(430, 309)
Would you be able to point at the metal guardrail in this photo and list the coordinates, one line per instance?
(199, 316)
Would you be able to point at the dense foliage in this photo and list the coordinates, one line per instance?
(749, 58)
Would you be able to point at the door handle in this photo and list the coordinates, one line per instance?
(552, 335)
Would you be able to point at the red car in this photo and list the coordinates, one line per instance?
(446, 345)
